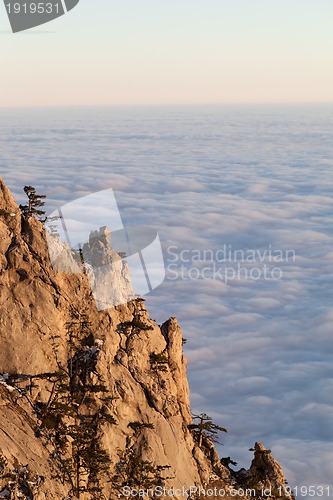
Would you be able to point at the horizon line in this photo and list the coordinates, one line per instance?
(171, 104)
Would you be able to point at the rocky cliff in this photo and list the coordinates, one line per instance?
(94, 401)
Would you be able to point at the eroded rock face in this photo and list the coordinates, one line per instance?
(140, 365)
(268, 470)
(107, 272)
(265, 477)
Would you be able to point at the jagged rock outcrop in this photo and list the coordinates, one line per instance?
(266, 471)
(107, 272)
(110, 385)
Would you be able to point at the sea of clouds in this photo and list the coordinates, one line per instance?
(254, 181)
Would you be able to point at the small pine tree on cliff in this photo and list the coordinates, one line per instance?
(205, 427)
(35, 202)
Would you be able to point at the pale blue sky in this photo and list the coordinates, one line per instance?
(184, 51)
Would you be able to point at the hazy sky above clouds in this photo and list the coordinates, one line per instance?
(188, 51)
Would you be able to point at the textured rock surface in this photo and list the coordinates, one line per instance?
(36, 306)
(107, 272)
(270, 472)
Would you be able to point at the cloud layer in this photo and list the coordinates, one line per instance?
(248, 179)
